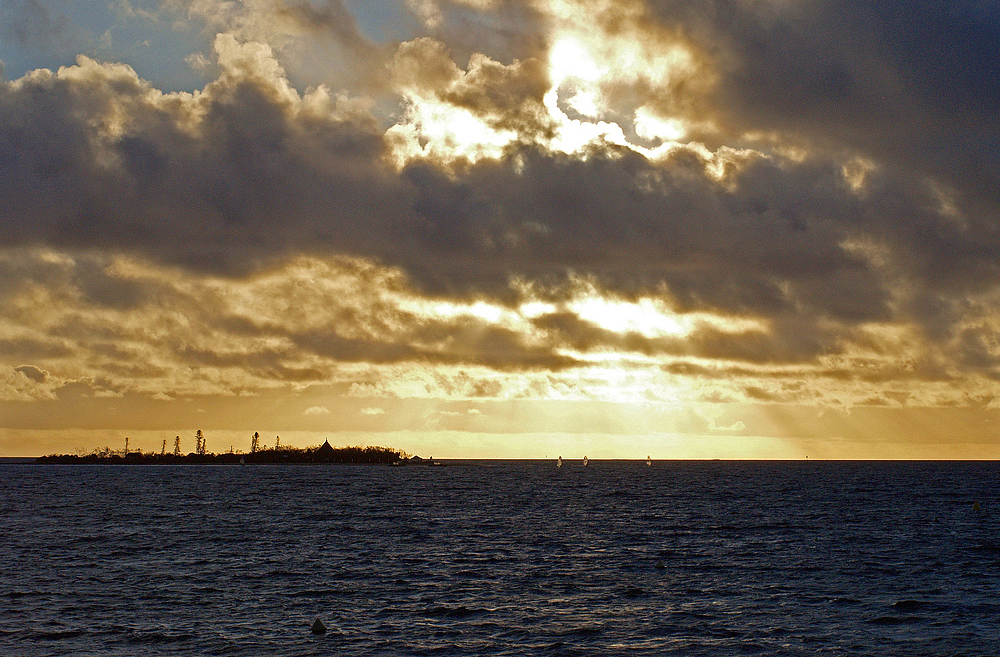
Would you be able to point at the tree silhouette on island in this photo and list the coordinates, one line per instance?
(279, 454)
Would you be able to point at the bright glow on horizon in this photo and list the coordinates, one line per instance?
(662, 446)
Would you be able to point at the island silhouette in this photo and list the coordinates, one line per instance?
(279, 454)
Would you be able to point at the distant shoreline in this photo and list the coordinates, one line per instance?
(276, 456)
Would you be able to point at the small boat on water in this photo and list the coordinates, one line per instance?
(584, 461)
(649, 461)
(559, 462)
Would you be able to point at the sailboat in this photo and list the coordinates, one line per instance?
(584, 461)
(649, 461)
(559, 462)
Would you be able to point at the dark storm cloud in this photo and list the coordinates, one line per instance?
(34, 348)
(876, 373)
(246, 174)
(259, 182)
(770, 241)
(249, 186)
(464, 341)
(904, 81)
(791, 340)
(976, 349)
(127, 321)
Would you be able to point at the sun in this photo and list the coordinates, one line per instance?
(575, 74)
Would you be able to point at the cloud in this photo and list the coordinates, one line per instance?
(249, 170)
(26, 383)
(316, 410)
(33, 373)
(825, 210)
(372, 410)
(870, 77)
(734, 427)
(346, 322)
(507, 99)
(175, 173)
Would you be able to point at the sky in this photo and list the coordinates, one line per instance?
(502, 228)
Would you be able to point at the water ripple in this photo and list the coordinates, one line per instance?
(502, 558)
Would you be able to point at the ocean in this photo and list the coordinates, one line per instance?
(502, 558)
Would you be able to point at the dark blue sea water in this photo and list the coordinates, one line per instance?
(502, 558)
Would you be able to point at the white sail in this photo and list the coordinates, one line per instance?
(584, 461)
(559, 462)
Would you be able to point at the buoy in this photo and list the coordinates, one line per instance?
(318, 627)
(976, 507)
